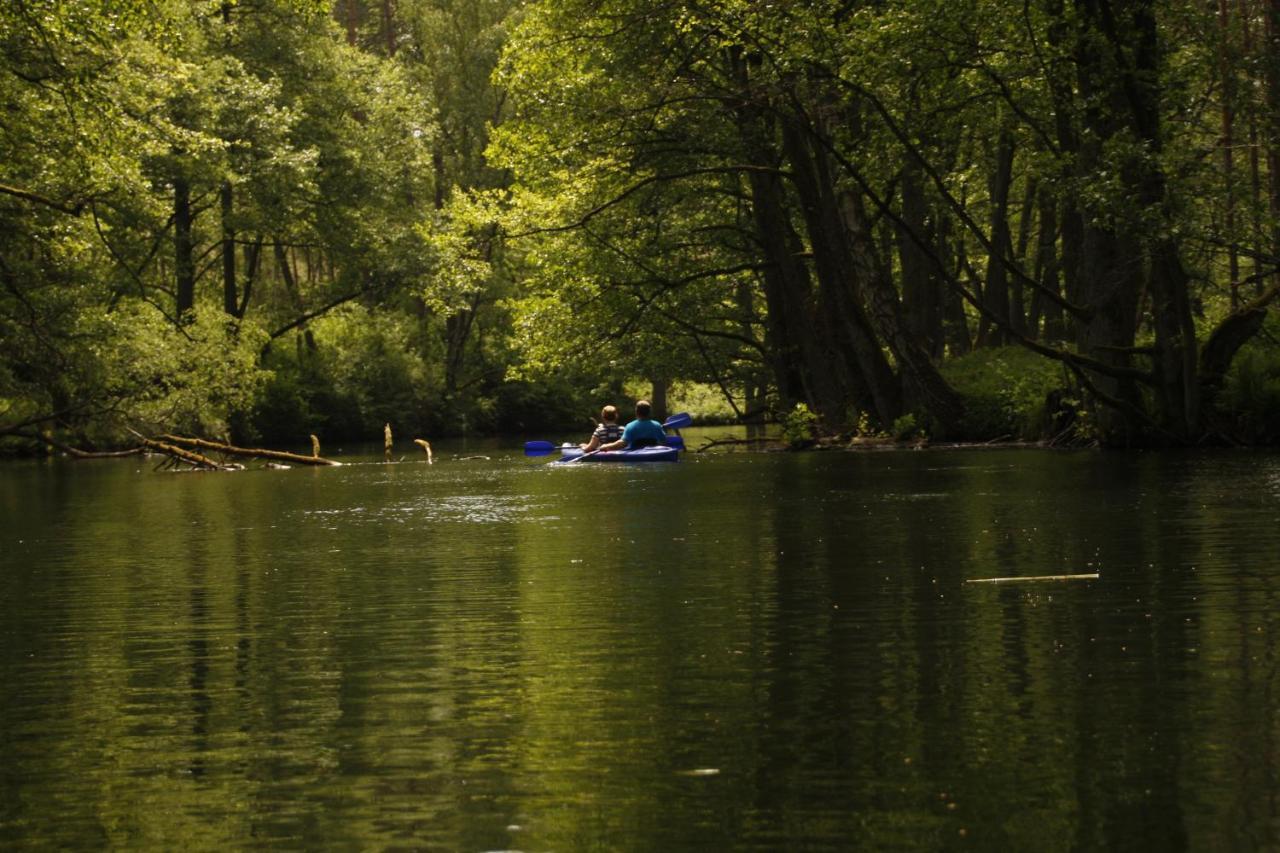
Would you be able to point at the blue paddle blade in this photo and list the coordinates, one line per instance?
(679, 421)
(674, 441)
(538, 448)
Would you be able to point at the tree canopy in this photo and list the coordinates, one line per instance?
(1055, 219)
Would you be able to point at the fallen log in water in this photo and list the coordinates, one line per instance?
(77, 453)
(190, 457)
(102, 454)
(250, 452)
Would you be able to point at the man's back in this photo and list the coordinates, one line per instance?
(643, 433)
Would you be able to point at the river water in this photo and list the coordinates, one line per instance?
(738, 651)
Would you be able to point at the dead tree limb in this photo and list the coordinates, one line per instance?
(722, 442)
(250, 452)
(190, 457)
(426, 446)
(77, 453)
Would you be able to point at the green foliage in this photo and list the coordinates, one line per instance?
(520, 205)
(191, 379)
(315, 147)
(625, 213)
(544, 404)
(799, 426)
(864, 427)
(365, 372)
(299, 400)
(905, 428)
(1008, 391)
(704, 401)
(1250, 397)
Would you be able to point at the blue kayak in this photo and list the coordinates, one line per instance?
(641, 454)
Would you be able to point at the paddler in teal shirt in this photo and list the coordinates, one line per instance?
(642, 432)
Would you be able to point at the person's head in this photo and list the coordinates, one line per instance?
(642, 410)
(609, 414)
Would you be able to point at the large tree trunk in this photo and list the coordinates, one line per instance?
(1058, 35)
(658, 399)
(871, 384)
(1226, 143)
(1118, 67)
(1047, 273)
(437, 168)
(183, 258)
(1255, 172)
(1111, 259)
(1271, 65)
(995, 294)
(230, 295)
(353, 22)
(1017, 292)
(801, 368)
(389, 26)
(457, 328)
(1175, 368)
(754, 384)
(922, 293)
(252, 259)
(291, 287)
(955, 322)
(801, 373)
(1110, 279)
(923, 386)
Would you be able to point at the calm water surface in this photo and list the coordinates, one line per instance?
(743, 651)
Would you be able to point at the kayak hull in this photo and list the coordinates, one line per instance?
(642, 454)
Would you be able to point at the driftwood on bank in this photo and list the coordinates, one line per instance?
(250, 452)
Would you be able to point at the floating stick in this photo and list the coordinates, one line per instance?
(1089, 577)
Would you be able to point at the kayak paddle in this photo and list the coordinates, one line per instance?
(539, 448)
(679, 421)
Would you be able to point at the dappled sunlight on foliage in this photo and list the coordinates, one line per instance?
(192, 378)
(1006, 391)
